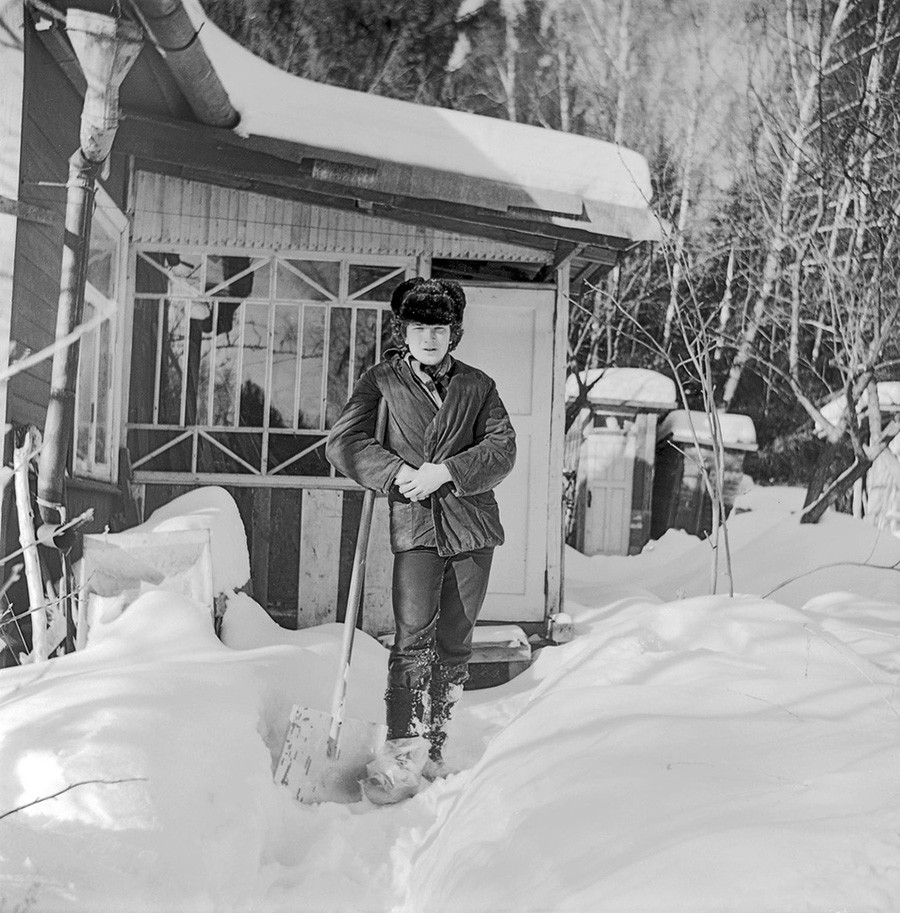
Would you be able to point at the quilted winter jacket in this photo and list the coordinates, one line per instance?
(470, 433)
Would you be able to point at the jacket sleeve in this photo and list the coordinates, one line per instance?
(351, 447)
(490, 459)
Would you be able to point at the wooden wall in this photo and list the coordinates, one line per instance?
(47, 134)
(51, 115)
(170, 210)
(301, 544)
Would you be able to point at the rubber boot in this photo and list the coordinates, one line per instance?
(444, 696)
(405, 712)
(396, 772)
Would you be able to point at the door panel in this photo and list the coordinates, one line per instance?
(509, 334)
(605, 482)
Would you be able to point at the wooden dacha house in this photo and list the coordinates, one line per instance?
(246, 230)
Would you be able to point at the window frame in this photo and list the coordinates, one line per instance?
(108, 215)
(197, 436)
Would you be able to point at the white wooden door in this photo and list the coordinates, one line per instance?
(509, 334)
(606, 481)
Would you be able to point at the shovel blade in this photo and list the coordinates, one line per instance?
(305, 768)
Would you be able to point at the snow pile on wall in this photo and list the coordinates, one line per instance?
(210, 508)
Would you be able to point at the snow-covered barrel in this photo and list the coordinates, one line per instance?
(685, 442)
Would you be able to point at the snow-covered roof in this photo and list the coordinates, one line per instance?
(575, 180)
(625, 386)
(888, 400)
(738, 431)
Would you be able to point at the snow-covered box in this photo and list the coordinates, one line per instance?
(685, 446)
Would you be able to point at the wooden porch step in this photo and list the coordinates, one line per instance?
(499, 654)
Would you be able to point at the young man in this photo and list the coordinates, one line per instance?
(448, 444)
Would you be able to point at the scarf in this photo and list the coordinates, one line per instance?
(433, 378)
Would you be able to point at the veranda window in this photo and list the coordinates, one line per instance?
(241, 363)
(95, 434)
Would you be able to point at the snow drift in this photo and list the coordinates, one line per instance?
(699, 753)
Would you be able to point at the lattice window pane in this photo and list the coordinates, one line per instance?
(312, 367)
(308, 280)
(253, 371)
(172, 355)
(366, 329)
(143, 361)
(227, 350)
(283, 410)
(374, 283)
(338, 363)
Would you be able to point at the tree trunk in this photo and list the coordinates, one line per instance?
(622, 57)
(797, 144)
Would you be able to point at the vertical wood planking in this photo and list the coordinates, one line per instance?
(378, 614)
(320, 556)
(284, 555)
(350, 514)
(170, 210)
(12, 78)
(261, 512)
(554, 595)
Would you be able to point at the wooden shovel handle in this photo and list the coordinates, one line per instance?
(354, 598)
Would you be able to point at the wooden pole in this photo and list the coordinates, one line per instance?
(22, 456)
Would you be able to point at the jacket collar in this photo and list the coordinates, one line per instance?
(431, 377)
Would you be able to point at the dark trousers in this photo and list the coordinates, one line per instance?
(436, 602)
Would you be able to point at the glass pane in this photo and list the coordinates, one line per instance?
(253, 374)
(104, 376)
(143, 361)
(184, 275)
(315, 280)
(362, 276)
(103, 259)
(150, 279)
(366, 326)
(254, 284)
(200, 363)
(338, 363)
(312, 463)
(284, 367)
(176, 458)
(174, 340)
(237, 448)
(225, 359)
(311, 367)
(181, 277)
(387, 339)
(85, 391)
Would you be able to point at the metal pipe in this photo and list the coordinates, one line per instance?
(60, 420)
(177, 40)
(106, 49)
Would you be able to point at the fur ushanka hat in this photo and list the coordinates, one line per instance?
(430, 301)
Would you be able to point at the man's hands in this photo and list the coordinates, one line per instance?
(417, 484)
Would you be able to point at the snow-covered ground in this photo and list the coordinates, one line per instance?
(685, 752)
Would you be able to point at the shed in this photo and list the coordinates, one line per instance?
(248, 274)
(609, 457)
(685, 442)
(876, 497)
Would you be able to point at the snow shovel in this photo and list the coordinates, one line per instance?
(325, 756)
